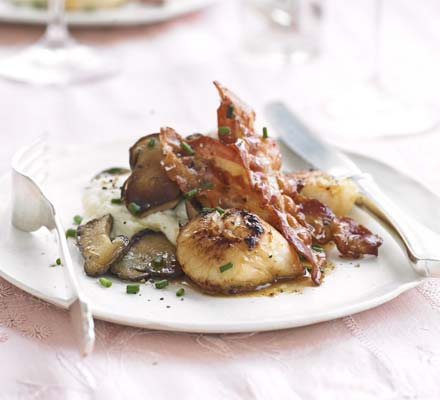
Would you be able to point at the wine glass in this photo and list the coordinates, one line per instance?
(282, 30)
(371, 109)
(56, 59)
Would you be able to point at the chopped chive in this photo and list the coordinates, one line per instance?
(265, 134)
(161, 284)
(58, 261)
(224, 130)
(226, 266)
(180, 292)
(151, 143)
(71, 233)
(77, 219)
(134, 208)
(302, 258)
(116, 201)
(105, 282)
(185, 146)
(157, 261)
(220, 210)
(207, 185)
(317, 248)
(191, 193)
(207, 210)
(230, 111)
(114, 170)
(133, 289)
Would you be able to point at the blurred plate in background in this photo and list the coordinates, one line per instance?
(132, 13)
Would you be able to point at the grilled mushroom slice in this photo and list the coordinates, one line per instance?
(148, 189)
(98, 249)
(150, 254)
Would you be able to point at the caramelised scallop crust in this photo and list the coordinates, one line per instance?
(234, 251)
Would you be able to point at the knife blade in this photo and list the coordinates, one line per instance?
(306, 144)
(412, 235)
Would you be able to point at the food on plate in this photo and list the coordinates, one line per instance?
(148, 189)
(98, 249)
(102, 196)
(223, 211)
(86, 5)
(149, 254)
(234, 251)
(337, 194)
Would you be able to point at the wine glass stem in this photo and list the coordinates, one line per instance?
(57, 34)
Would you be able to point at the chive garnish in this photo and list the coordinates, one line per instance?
(220, 210)
(151, 143)
(180, 292)
(133, 289)
(225, 267)
(224, 130)
(114, 170)
(77, 219)
(71, 233)
(105, 282)
(207, 185)
(134, 208)
(157, 261)
(161, 284)
(191, 193)
(302, 258)
(317, 248)
(58, 261)
(230, 111)
(185, 146)
(116, 201)
(265, 134)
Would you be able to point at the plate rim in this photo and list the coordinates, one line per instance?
(233, 327)
(104, 17)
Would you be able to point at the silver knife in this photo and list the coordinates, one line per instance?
(420, 242)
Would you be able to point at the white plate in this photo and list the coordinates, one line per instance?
(25, 260)
(133, 13)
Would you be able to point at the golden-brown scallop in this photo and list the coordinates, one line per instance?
(338, 194)
(234, 251)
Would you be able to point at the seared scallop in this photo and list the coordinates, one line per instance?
(338, 194)
(234, 251)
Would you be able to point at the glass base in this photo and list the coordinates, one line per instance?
(47, 64)
(367, 111)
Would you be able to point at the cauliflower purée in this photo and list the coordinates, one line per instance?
(105, 187)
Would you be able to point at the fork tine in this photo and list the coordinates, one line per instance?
(23, 154)
(37, 167)
(24, 159)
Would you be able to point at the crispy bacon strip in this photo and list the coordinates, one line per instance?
(352, 239)
(242, 170)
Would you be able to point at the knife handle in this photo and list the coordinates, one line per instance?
(418, 240)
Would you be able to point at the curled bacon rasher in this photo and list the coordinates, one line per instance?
(241, 169)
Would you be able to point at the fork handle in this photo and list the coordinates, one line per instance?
(80, 313)
(415, 237)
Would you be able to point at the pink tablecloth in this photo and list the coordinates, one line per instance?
(391, 352)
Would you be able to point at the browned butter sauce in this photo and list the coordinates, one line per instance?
(296, 285)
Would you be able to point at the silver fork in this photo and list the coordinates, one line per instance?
(31, 210)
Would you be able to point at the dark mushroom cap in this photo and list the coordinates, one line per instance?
(148, 186)
(150, 254)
